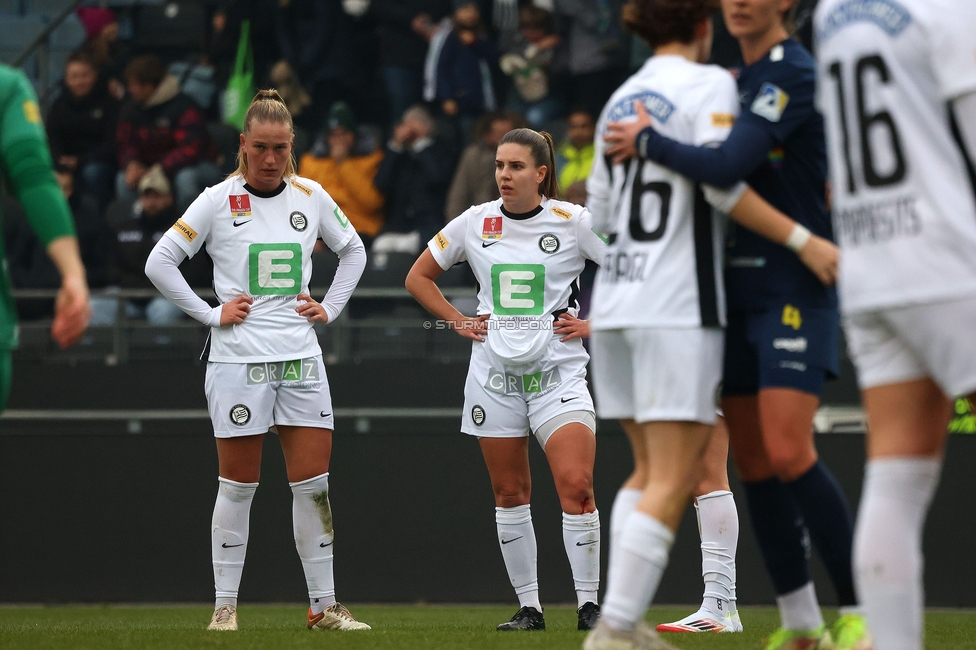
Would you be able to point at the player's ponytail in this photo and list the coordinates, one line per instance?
(267, 106)
(543, 153)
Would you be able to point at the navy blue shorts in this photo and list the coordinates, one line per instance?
(785, 347)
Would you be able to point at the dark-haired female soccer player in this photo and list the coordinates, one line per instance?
(783, 331)
(528, 365)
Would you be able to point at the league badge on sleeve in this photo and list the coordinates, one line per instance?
(770, 102)
(493, 228)
(240, 205)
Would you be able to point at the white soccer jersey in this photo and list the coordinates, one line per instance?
(663, 266)
(524, 267)
(261, 245)
(903, 206)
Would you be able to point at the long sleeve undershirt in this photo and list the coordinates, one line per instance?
(162, 268)
(721, 166)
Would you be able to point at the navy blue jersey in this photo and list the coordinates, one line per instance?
(777, 96)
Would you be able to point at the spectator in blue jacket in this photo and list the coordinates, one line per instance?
(466, 66)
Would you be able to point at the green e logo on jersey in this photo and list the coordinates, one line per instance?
(519, 289)
(275, 269)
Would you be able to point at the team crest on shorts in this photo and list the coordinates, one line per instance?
(478, 415)
(549, 243)
(240, 205)
(298, 221)
(240, 415)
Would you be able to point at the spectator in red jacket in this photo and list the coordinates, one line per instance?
(159, 124)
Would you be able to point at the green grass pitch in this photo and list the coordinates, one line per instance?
(401, 627)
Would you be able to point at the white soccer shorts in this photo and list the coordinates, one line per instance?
(500, 403)
(247, 399)
(657, 374)
(900, 344)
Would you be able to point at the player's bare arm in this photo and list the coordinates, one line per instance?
(420, 284)
(72, 309)
(818, 254)
(569, 327)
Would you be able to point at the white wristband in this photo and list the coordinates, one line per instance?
(798, 238)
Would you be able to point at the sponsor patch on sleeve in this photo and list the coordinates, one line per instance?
(181, 227)
(31, 112)
(341, 217)
(298, 186)
(723, 120)
(559, 212)
(441, 241)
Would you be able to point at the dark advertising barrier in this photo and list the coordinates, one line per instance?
(92, 512)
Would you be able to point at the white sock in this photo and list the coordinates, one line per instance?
(732, 606)
(312, 520)
(228, 537)
(516, 537)
(888, 548)
(623, 504)
(581, 537)
(636, 570)
(799, 609)
(718, 523)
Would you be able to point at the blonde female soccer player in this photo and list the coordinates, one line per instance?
(265, 368)
(528, 366)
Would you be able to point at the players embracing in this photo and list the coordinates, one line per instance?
(783, 330)
(659, 300)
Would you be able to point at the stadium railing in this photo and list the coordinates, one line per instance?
(378, 323)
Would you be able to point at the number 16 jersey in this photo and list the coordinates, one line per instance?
(904, 209)
(663, 266)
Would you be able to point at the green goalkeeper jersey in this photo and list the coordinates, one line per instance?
(25, 164)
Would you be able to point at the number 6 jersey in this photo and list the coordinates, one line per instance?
(663, 266)
(261, 246)
(904, 209)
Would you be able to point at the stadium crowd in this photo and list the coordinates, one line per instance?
(398, 108)
(136, 135)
